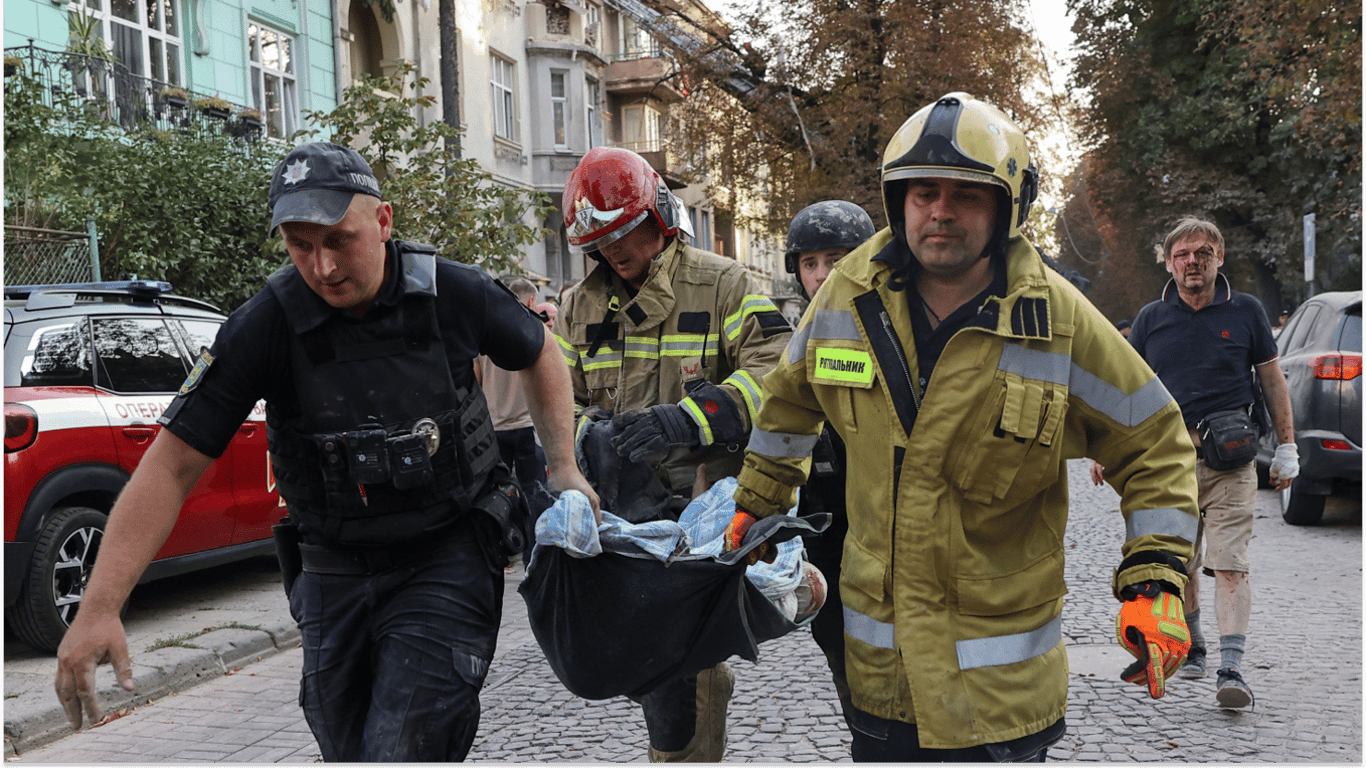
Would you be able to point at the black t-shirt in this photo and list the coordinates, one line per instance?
(251, 354)
(1205, 358)
(930, 342)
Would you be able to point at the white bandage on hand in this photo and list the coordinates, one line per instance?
(1286, 464)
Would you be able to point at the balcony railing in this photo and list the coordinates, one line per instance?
(124, 98)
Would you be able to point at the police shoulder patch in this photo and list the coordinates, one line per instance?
(197, 373)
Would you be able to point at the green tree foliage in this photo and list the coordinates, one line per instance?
(187, 206)
(190, 206)
(833, 80)
(438, 198)
(1246, 112)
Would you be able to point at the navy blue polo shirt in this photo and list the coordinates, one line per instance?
(251, 354)
(1205, 357)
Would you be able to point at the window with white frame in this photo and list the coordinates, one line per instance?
(636, 42)
(143, 36)
(559, 109)
(504, 83)
(592, 27)
(592, 93)
(274, 88)
(642, 128)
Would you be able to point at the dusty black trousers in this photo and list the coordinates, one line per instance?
(393, 661)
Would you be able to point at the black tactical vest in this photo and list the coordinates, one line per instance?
(384, 447)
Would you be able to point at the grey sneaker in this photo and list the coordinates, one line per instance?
(1194, 667)
(1232, 692)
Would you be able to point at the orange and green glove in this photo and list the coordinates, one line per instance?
(735, 536)
(1152, 626)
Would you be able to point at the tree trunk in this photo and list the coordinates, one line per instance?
(450, 73)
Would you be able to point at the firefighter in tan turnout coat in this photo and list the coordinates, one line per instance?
(961, 374)
(673, 341)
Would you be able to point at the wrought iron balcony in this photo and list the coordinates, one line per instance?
(124, 98)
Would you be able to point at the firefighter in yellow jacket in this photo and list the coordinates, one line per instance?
(962, 373)
(672, 341)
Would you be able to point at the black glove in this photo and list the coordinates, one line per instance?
(648, 433)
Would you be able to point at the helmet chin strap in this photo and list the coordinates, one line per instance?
(1004, 212)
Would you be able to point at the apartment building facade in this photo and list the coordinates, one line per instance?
(539, 83)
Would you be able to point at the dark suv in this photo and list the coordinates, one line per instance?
(88, 369)
(1320, 354)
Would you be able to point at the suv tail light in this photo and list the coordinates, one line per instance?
(21, 427)
(1340, 367)
(1336, 445)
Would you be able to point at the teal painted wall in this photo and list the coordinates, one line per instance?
(223, 71)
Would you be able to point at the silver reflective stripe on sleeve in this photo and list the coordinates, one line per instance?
(1161, 522)
(781, 445)
(1053, 367)
(826, 324)
(1057, 368)
(1129, 410)
(868, 629)
(796, 347)
(1009, 649)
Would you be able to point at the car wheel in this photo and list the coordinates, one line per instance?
(1300, 508)
(57, 576)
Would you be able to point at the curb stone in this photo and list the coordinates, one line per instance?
(156, 674)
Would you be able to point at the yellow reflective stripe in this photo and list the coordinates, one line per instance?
(852, 365)
(581, 426)
(603, 359)
(751, 304)
(749, 389)
(644, 347)
(703, 426)
(688, 345)
(570, 353)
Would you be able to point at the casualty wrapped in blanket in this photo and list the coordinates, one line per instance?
(620, 608)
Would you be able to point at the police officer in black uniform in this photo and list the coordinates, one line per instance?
(381, 444)
(818, 236)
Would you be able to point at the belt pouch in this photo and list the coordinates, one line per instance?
(287, 538)
(1227, 439)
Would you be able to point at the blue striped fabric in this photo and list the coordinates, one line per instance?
(697, 535)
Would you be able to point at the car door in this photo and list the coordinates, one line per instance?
(1297, 361)
(139, 363)
(257, 505)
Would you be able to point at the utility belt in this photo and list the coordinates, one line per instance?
(332, 561)
(500, 522)
(372, 455)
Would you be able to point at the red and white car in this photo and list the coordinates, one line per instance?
(88, 369)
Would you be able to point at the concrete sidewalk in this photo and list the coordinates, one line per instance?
(178, 636)
(182, 639)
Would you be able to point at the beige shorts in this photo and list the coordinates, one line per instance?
(1227, 502)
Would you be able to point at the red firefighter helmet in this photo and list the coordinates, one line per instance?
(609, 193)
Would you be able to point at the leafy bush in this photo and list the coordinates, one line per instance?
(186, 205)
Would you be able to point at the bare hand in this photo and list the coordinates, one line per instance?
(92, 640)
(1097, 473)
(569, 478)
(700, 483)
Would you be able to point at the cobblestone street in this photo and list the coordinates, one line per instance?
(1303, 662)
